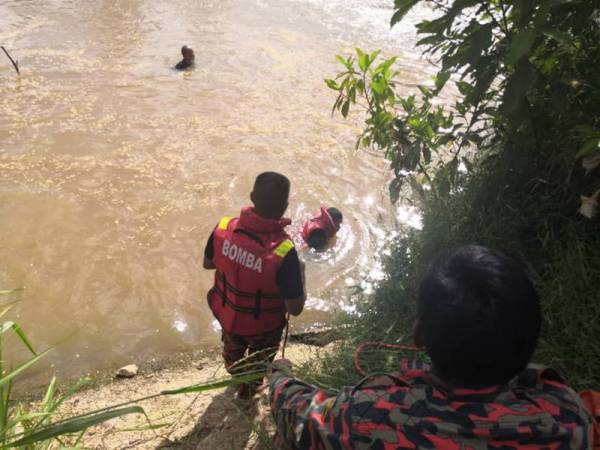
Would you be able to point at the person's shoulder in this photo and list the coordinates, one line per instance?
(286, 249)
(183, 65)
(547, 384)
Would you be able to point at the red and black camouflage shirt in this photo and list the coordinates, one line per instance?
(416, 409)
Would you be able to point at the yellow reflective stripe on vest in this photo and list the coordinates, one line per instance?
(283, 249)
(224, 223)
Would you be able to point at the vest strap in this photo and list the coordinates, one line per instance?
(252, 236)
(257, 304)
(284, 248)
(227, 285)
(245, 309)
(224, 293)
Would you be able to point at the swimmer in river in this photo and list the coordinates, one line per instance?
(188, 59)
(317, 231)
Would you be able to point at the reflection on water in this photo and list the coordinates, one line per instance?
(114, 168)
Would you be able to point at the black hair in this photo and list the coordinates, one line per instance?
(186, 48)
(317, 238)
(270, 194)
(335, 214)
(478, 316)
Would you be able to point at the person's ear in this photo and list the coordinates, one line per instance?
(252, 198)
(417, 333)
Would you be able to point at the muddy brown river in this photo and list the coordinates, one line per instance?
(114, 168)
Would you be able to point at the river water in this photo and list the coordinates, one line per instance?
(114, 168)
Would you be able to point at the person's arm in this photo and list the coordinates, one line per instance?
(209, 253)
(291, 283)
(293, 402)
(208, 264)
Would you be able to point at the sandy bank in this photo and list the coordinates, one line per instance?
(207, 420)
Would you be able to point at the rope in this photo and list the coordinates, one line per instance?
(374, 344)
(285, 338)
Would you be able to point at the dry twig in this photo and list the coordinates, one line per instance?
(14, 63)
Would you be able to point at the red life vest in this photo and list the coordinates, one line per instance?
(248, 252)
(322, 222)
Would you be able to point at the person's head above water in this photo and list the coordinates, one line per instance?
(336, 216)
(187, 53)
(270, 195)
(478, 316)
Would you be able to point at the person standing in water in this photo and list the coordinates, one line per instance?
(258, 278)
(188, 59)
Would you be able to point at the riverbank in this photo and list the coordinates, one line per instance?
(211, 419)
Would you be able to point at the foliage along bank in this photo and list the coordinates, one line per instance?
(513, 164)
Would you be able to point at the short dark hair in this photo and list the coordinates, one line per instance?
(335, 214)
(317, 239)
(271, 191)
(478, 316)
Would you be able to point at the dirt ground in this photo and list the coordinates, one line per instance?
(208, 420)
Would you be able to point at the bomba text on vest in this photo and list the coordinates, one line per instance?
(241, 256)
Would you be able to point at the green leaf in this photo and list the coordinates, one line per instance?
(379, 85)
(436, 26)
(345, 108)
(440, 79)
(521, 45)
(394, 188)
(331, 84)
(74, 426)
(425, 91)
(478, 42)
(426, 154)
(516, 87)
(345, 62)
(588, 148)
(363, 59)
(431, 40)
(402, 7)
(561, 37)
(445, 139)
(464, 88)
(374, 55)
(360, 87)
(459, 5)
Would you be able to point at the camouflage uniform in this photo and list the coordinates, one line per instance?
(415, 409)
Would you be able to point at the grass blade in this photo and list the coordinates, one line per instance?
(5, 379)
(216, 384)
(49, 397)
(25, 417)
(8, 307)
(74, 426)
(9, 291)
(69, 393)
(19, 332)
